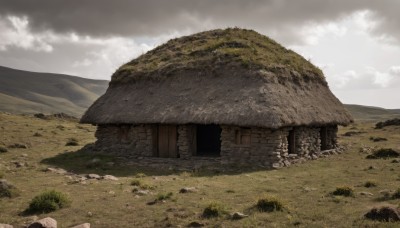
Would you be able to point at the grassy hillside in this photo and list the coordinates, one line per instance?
(30, 92)
(304, 189)
(370, 113)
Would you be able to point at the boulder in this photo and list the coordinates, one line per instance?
(238, 215)
(93, 176)
(386, 213)
(5, 226)
(110, 177)
(84, 225)
(44, 223)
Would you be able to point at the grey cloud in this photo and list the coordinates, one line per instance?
(155, 17)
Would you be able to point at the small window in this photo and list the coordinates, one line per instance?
(243, 136)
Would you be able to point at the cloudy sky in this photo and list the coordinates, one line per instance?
(355, 42)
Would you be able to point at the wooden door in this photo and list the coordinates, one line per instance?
(167, 137)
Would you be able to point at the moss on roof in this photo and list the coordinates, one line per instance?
(232, 46)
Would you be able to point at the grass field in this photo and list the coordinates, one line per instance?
(304, 189)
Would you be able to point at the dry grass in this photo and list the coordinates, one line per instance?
(304, 187)
(232, 46)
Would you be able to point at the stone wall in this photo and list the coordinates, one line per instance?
(265, 148)
(307, 141)
(125, 140)
(239, 146)
(332, 137)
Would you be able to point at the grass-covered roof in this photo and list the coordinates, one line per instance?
(232, 47)
(231, 76)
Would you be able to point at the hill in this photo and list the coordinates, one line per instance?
(364, 113)
(31, 92)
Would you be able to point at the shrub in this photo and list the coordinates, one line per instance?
(136, 183)
(269, 204)
(343, 191)
(164, 196)
(1, 175)
(370, 184)
(396, 194)
(213, 210)
(141, 184)
(377, 139)
(37, 134)
(8, 190)
(49, 201)
(72, 142)
(3, 149)
(383, 153)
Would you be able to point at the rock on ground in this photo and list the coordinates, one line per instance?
(84, 225)
(386, 213)
(110, 177)
(93, 176)
(44, 223)
(238, 215)
(5, 226)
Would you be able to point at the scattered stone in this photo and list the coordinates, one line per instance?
(366, 194)
(195, 224)
(84, 225)
(111, 192)
(110, 177)
(93, 176)
(142, 192)
(188, 190)
(238, 215)
(386, 213)
(89, 214)
(19, 164)
(56, 170)
(18, 146)
(44, 223)
(24, 155)
(5, 226)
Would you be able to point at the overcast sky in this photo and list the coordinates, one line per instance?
(355, 42)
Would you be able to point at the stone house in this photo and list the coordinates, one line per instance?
(232, 96)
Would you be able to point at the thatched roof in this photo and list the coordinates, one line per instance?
(231, 76)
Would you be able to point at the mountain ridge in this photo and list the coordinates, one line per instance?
(25, 92)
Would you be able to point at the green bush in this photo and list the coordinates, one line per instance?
(213, 210)
(269, 204)
(343, 191)
(164, 196)
(141, 184)
(136, 183)
(72, 142)
(49, 201)
(3, 149)
(396, 194)
(370, 184)
(384, 153)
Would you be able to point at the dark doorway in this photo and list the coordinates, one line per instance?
(291, 142)
(208, 139)
(323, 132)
